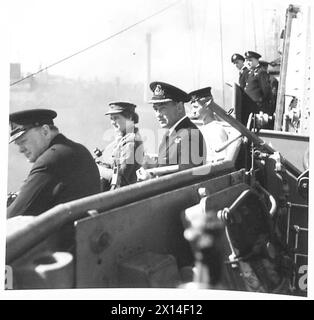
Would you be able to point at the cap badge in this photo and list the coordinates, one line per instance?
(194, 97)
(159, 91)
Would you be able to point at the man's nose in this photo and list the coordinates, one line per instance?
(158, 113)
(195, 108)
(21, 148)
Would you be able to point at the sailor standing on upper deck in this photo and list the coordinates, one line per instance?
(238, 61)
(258, 84)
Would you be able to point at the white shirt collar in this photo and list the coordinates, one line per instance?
(172, 128)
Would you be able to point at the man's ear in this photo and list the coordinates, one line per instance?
(45, 130)
(180, 107)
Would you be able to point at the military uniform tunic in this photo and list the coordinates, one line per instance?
(127, 156)
(243, 75)
(258, 88)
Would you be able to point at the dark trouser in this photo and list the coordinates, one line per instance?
(264, 107)
(105, 184)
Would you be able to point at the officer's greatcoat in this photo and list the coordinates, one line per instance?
(65, 171)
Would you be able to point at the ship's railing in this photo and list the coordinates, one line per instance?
(253, 138)
(22, 239)
(41, 227)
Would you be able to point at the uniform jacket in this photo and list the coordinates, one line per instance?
(127, 157)
(64, 172)
(185, 146)
(243, 75)
(258, 88)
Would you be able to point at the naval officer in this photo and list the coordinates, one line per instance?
(238, 60)
(182, 145)
(258, 83)
(62, 170)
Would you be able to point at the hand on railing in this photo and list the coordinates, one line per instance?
(144, 174)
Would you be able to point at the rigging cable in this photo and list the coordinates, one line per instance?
(97, 43)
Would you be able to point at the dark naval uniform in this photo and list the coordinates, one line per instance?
(258, 85)
(184, 146)
(258, 88)
(243, 76)
(127, 157)
(65, 171)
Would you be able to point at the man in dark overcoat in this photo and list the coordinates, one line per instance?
(258, 83)
(62, 170)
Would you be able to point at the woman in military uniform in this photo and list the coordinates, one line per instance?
(127, 150)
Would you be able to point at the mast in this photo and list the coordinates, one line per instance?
(148, 65)
(290, 14)
(221, 56)
(254, 27)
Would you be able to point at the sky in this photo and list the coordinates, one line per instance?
(185, 39)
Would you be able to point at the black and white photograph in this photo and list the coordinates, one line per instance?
(157, 145)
